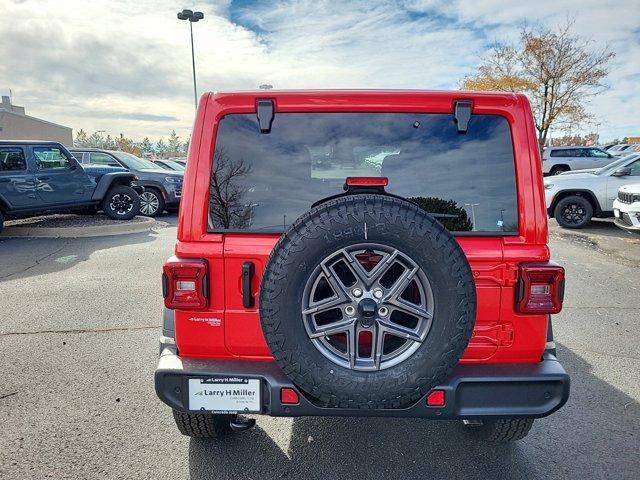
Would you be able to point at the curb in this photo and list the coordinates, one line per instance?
(77, 232)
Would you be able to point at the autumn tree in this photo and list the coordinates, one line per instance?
(557, 70)
(125, 144)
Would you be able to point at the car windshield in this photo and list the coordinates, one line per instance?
(173, 165)
(263, 182)
(613, 165)
(133, 162)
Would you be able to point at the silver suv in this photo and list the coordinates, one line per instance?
(573, 199)
(556, 160)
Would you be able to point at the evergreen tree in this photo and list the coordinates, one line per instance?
(146, 145)
(109, 143)
(161, 148)
(81, 139)
(174, 147)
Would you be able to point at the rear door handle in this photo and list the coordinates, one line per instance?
(248, 270)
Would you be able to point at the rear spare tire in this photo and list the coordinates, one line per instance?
(367, 301)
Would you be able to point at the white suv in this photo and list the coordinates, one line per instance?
(626, 208)
(573, 199)
(556, 160)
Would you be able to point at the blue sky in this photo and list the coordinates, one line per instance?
(125, 66)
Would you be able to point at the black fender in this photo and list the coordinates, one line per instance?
(108, 179)
(588, 194)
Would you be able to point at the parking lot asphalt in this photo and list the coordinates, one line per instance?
(78, 336)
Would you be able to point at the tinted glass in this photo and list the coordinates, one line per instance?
(12, 159)
(263, 182)
(51, 158)
(566, 152)
(102, 159)
(135, 163)
(635, 169)
(595, 152)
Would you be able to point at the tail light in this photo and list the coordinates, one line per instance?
(540, 288)
(185, 284)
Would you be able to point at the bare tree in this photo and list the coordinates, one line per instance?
(557, 70)
(227, 208)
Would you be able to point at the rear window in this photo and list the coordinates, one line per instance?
(12, 159)
(263, 182)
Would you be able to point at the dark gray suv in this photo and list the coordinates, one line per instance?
(162, 188)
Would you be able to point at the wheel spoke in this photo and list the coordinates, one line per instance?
(400, 285)
(341, 326)
(325, 305)
(377, 345)
(369, 278)
(410, 309)
(399, 330)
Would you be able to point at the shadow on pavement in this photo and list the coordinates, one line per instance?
(599, 226)
(24, 257)
(591, 437)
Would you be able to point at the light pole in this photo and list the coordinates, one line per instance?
(473, 214)
(192, 17)
(101, 138)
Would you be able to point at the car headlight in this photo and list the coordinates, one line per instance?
(173, 179)
(547, 186)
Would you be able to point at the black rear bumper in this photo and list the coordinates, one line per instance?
(472, 391)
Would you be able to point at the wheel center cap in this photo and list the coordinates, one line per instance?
(367, 309)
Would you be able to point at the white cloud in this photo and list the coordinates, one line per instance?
(125, 66)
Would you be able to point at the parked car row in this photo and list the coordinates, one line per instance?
(557, 160)
(43, 177)
(621, 149)
(163, 187)
(574, 198)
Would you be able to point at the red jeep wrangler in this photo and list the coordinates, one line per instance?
(362, 253)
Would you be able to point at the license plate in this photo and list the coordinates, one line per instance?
(225, 395)
(616, 213)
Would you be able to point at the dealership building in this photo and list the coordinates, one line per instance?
(15, 125)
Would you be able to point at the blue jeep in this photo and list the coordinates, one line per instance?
(43, 177)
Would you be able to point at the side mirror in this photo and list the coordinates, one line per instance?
(622, 172)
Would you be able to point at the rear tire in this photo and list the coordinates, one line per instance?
(202, 425)
(502, 430)
(121, 203)
(152, 203)
(573, 212)
(559, 170)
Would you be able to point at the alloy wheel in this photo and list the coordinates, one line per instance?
(573, 213)
(367, 307)
(149, 203)
(121, 203)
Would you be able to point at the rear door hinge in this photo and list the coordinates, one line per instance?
(265, 111)
(462, 114)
